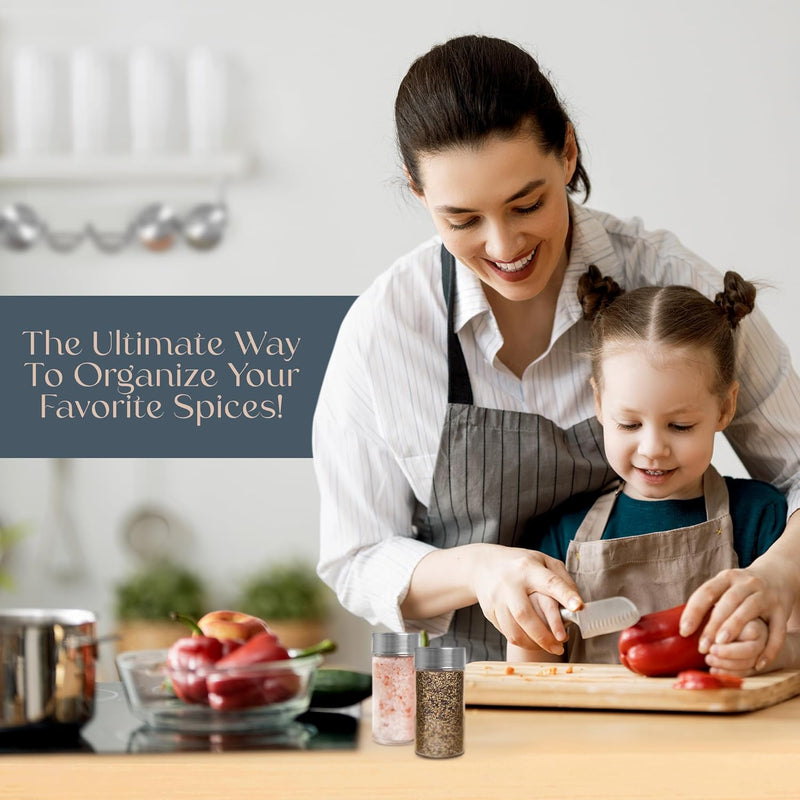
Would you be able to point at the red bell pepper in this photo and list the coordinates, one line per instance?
(253, 687)
(654, 646)
(190, 659)
(260, 648)
(247, 688)
(697, 679)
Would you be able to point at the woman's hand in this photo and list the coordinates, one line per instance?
(520, 592)
(736, 597)
(501, 579)
(740, 657)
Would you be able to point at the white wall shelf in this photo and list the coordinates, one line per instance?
(98, 169)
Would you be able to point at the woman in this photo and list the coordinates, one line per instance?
(457, 405)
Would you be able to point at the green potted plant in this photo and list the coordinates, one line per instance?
(144, 602)
(291, 599)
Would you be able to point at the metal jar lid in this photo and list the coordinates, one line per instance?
(440, 658)
(394, 644)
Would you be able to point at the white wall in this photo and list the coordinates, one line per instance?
(688, 113)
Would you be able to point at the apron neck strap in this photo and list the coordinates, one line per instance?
(459, 388)
(594, 523)
(715, 491)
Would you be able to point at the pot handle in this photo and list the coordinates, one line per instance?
(76, 641)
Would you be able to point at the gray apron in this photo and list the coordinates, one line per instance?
(494, 471)
(655, 570)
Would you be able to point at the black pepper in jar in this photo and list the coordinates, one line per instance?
(440, 701)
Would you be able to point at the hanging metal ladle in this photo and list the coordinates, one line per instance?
(152, 531)
(157, 227)
(21, 226)
(204, 226)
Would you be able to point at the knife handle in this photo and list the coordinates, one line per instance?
(568, 616)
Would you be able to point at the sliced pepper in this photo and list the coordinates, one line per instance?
(697, 679)
(654, 646)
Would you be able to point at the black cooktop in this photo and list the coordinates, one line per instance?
(113, 729)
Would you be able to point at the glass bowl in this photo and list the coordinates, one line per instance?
(282, 691)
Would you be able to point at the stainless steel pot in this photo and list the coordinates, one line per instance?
(47, 666)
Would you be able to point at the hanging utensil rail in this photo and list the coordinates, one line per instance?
(157, 227)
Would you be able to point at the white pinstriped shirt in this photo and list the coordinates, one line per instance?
(381, 407)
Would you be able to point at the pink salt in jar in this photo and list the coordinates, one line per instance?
(393, 687)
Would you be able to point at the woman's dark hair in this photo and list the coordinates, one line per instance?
(678, 316)
(470, 87)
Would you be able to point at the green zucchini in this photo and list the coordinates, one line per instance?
(339, 688)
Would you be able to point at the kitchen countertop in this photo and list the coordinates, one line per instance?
(509, 753)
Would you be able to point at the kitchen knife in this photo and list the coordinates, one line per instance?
(603, 616)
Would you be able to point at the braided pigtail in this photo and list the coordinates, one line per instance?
(737, 299)
(596, 292)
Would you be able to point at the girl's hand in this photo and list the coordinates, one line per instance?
(503, 580)
(736, 597)
(740, 657)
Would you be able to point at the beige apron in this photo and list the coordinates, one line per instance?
(655, 570)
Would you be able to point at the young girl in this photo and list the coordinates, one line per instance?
(663, 375)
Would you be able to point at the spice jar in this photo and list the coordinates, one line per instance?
(393, 687)
(440, 701)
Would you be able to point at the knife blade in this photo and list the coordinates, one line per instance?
(603, 616)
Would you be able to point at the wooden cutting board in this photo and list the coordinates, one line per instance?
(612, 686)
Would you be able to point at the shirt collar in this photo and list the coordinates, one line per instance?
(470, 298)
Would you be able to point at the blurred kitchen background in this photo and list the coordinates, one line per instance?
(281, 114)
